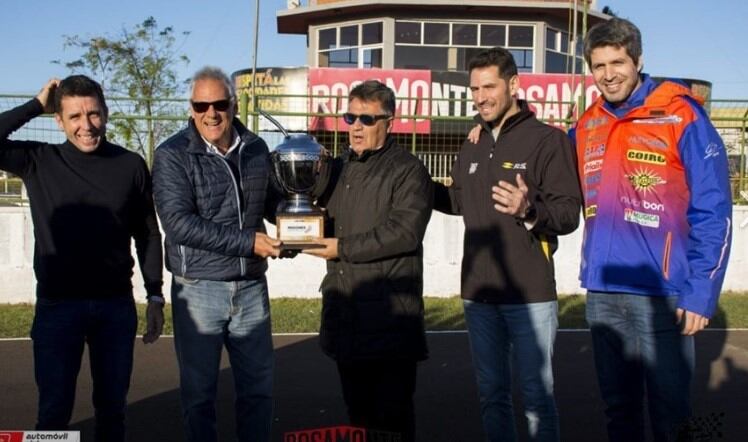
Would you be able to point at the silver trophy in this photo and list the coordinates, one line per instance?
(297, 162)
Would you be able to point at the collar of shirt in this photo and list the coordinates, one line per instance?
(211, 148)
(636, 98)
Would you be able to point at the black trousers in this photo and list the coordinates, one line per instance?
(379, 395)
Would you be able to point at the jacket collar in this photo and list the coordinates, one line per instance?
(197, 144)
(350, 155)
(523, 114)
(651, 92)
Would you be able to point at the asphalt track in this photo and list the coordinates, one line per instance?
(307, 393)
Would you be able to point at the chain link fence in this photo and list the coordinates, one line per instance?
(140, 125)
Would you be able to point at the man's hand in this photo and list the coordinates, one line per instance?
(329, 251)
(266, 246)
(692, 323)
(474, 134)
(510, 199)
(46, 96)
(154, 319)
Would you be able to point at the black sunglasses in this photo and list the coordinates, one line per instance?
(203, 106)
(366, 120)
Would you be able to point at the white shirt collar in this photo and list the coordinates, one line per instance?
(211, 148)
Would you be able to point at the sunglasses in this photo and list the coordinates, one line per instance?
(203, 106)
(366, 120)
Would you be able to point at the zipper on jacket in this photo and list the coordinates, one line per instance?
(666, 256)
(242, 264)
(183, 259)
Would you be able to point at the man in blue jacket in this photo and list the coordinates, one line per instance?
(658, 220)
(211, 186)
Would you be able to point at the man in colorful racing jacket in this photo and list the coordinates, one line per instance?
(654, 175)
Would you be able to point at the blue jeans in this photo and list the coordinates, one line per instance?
(207, 316)
(526, 333)
(638, 347)
(60, 330)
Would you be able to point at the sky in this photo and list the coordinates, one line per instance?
(703, 39)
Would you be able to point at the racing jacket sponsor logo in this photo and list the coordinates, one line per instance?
(641, 218)
(473, 168)
(642, 156)
(592, 166)
(595, 122)
(644, 204)
(644, 180)
(594, 151)
(647, 141)
(590, 193)
(670, 119)
(590, 211)
(596, 138)
(593, 179)
(514, 166)
(712, 150)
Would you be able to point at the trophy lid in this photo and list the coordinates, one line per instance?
(299, 144)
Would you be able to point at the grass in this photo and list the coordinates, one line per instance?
(297, 315)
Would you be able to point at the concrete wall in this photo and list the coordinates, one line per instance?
(301, 276)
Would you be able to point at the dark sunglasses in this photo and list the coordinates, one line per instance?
(366, 120)
(203, 106)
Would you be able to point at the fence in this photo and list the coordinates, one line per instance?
(141, 128)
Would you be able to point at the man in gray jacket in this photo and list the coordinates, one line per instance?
(212, 189)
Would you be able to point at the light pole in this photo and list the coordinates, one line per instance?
(254, 58)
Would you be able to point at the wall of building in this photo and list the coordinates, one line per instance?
(300, 277)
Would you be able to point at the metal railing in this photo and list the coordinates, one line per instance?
(448, 123)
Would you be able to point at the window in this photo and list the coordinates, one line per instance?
(451, 46)
(350, 46)
(464, 55)
(407, 32)
(492, 35)
(551, 38)
(371, 33)
(372, 58)
(523, 58)
(436, 33)
(558, 56)
(521, 36)
(421, 57)
(349, 36)
(464, 34)
(328, 38)
(565, 42)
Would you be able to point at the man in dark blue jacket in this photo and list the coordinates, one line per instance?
(211, 186)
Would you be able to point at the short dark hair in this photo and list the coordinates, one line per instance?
(616, 32)
(78, 86)
(499, 57)
(374, 90)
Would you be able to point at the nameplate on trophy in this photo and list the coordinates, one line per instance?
(300, 231)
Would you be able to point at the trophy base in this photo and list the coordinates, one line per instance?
(299, 232)
(291, 246)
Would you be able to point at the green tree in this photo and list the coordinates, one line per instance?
(139, 64)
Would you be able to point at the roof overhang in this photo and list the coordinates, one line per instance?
(298, 20)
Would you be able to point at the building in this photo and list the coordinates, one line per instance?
(440, 35)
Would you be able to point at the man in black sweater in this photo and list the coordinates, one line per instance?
(88, 199)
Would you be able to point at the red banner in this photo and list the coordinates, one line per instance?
(329, 88)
